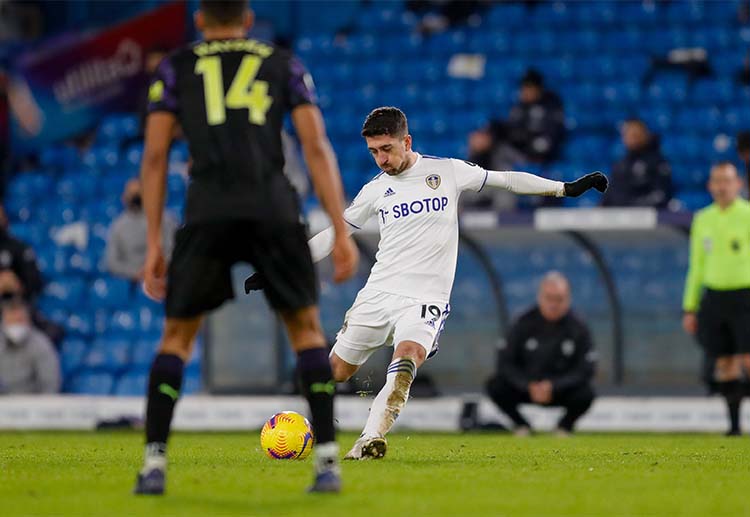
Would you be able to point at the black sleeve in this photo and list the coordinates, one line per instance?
(162, 91)
(28, 272)
(508, 364)
(585, 362)
(300, 88)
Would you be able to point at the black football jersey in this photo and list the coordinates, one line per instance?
(230, 97)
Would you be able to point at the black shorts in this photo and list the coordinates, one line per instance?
(199, 277)
(724, 322)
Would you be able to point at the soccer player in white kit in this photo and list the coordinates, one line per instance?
(406, 299)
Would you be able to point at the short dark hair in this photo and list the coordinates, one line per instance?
(743, 142)
(532, 77)
(386, 120)
(224, 12)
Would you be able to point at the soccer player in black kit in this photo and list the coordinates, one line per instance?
(229, 94)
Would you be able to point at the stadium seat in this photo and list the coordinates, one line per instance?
(110, 293)
(64, 293)
(132, 384)
(91, 384)
(110, 355)
(72, 352)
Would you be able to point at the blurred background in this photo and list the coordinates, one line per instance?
(652, 93)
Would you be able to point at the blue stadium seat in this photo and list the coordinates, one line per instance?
(110, 293)
(72, 352)
(79, 324)
(63, 293)
(143, 352)
(76, 187)
(191, 384)
(132, 384)
(110, 355)
(101, 158)
(30, 233)
(117, 128)
(123, 323)
(91, 384)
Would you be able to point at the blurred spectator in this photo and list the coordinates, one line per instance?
(533, 132)
(4, 132)
(643, 177)
(547, 359)
(439, 15)
(19, 258)
(743, 148)
(743, 76)
(126, 244)
(28, 361)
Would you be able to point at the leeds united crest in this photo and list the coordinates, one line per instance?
(433, 181)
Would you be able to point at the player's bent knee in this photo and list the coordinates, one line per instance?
(303, 328)
(411, 350)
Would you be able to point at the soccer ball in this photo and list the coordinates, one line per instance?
(287, 436)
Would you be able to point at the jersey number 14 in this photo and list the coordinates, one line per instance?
(244, 92)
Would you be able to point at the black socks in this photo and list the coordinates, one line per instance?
(318, 387)
(164, 385)
(733, 393)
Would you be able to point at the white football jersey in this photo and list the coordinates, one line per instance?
(417, 213)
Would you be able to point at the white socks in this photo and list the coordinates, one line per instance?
(326, 457)
(155, 457)
(391, 399)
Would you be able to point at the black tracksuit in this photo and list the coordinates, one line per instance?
(642, 178)
(536, 350)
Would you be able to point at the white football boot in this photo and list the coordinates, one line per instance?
(367, 447)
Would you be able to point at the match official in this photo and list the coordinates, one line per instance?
(716, 302)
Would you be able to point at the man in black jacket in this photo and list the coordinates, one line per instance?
(643, 177)
(18, 257)
(532, 132)
(547, 359)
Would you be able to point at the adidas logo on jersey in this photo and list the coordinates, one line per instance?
(389, 192)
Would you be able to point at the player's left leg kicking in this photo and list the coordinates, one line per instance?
(389, 402)
(415, 332)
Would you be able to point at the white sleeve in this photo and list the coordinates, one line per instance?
(469, 176)
(355, 216)
(321, 244)
(360, 210)
(525, 183)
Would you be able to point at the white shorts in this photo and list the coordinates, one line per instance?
(379, 319)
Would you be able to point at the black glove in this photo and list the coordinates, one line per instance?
(595, 180)
(254, 282)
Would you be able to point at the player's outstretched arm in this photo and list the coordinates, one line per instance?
(526, 183)
(326, 179)
(159, 129)
(321, 245)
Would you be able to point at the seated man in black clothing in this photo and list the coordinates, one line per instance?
(547, 359)
(532, 132)
(18, 257)
(643, 177)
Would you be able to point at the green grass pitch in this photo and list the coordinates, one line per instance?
(68, 473)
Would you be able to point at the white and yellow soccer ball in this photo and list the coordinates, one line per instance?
(287, 436)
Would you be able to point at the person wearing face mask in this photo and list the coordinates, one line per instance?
(547, 359)
(126, 245)
(28, 361)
